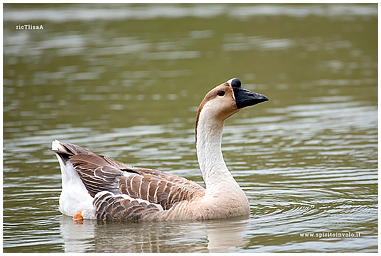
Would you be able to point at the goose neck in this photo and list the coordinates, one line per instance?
(208, 145)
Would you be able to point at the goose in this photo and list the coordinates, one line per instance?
(97, 187)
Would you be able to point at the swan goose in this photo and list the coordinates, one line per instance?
(97, 187)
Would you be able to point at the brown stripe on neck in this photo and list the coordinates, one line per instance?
(209, 96)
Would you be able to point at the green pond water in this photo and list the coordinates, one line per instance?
(125, 81)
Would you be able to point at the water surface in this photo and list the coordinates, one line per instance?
(125, 81)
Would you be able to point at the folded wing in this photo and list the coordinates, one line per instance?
(120, 191)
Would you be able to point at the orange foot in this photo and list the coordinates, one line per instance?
(78, 218)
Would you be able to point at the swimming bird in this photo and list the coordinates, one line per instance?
(97, 187)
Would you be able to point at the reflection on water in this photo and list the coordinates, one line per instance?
(126, 237)
(125, 80)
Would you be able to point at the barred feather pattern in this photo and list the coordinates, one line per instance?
(121, 192)
(120, 207)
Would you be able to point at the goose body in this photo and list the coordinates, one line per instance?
(97, 187)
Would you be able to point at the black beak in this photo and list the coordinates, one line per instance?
(245, 98)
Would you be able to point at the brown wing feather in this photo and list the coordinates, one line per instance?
(113, 207)
(99, 173)
(159, 187)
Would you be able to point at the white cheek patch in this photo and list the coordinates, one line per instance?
(233, 94)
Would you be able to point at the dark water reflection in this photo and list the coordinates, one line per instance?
(125, 81)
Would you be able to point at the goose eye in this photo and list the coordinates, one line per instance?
(221, 93)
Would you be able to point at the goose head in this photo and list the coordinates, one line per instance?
(219, 104)
(225, 100)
